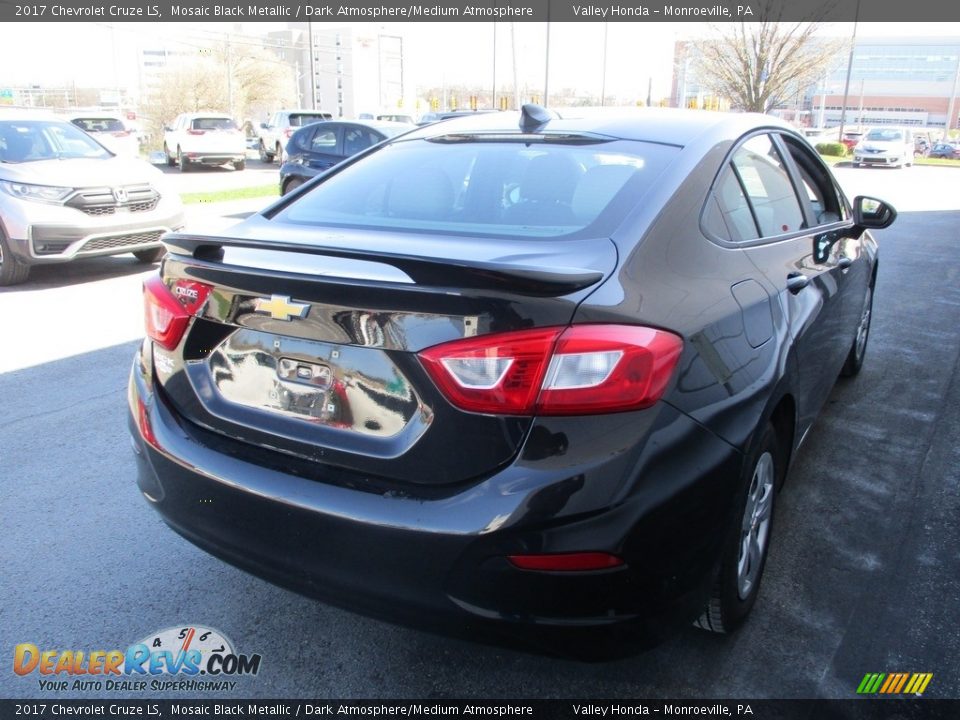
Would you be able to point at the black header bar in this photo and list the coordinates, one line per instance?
(343, 11)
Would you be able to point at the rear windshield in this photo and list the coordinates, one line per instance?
(486, 188)
(213, 124)
(99, 124)
(31, 140)
(300, 119)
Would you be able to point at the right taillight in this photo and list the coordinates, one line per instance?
(580, 370)
(167, 312)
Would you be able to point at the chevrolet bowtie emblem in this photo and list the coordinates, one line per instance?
(279, 307)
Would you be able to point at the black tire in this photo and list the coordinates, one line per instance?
(278, 153)
(240, 165)
(737, 584)
(152, 255)
(291, 185)
(183, 162)
(264, 155)
(171, 161)
(13, 271)
(858, 350)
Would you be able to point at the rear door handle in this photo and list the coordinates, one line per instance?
(797, 282)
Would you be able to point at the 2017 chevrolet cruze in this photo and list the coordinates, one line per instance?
(516, 374)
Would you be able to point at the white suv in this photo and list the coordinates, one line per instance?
(890, 146)
(64, 196)
(284, 123)
(204, 139)
(110, 131)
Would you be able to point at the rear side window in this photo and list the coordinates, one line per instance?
(767, 184)
(486, 187)
(728, 216)
(213, 124)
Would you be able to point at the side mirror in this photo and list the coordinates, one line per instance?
(872, 214)
(167, 128)
(264, 126)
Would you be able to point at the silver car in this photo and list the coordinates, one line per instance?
(63, 196)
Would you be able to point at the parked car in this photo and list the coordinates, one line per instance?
(64, 196)
(275, 133)
(397, 117)
(432, 117)
(204, 139)
(511, 374)
(110, 131)
(889, 146)
(851, 139)
(948, 150)
(317, 148)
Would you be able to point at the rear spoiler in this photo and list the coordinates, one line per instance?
(431, 272)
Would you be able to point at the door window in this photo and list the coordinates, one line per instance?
(819, 190)
(765, 180)
(357, 139)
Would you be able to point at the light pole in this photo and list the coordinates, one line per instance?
(546, 71)
(493, 96)
(846, 86)
(603, 82)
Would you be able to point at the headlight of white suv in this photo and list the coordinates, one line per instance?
(40, 193)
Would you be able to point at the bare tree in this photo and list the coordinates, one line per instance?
(259, 83)
(758, 65)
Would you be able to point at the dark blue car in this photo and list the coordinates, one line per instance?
(318, 147)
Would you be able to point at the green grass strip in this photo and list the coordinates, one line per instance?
(216, 196)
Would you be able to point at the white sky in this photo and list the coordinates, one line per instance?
(94, 54)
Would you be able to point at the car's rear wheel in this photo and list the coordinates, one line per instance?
(150, 256)
(291, 185)
(278, 153)
(737, 583)
(171, 161)
(182, 161)
(264, 155)
(859, 348)
(12, 270)
(240, 165)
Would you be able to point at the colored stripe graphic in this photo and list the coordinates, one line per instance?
(894, 683)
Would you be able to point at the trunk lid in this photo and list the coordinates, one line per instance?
(303, 355)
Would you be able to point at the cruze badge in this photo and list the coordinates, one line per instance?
(279, 307)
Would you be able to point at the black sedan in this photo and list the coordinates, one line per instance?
(317, 147)
(514, 375)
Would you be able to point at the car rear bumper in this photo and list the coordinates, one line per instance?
(442, 563)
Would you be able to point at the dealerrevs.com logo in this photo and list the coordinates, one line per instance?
(191, 658)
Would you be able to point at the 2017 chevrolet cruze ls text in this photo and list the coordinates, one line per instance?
(515, 374)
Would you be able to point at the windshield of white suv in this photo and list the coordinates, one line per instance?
(301, 119)
(30, 140)
(885, 135)
(487, 186)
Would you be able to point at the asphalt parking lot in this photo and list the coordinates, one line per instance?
(863, 576)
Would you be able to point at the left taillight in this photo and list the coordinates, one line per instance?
(168, 310)
(580, 370)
